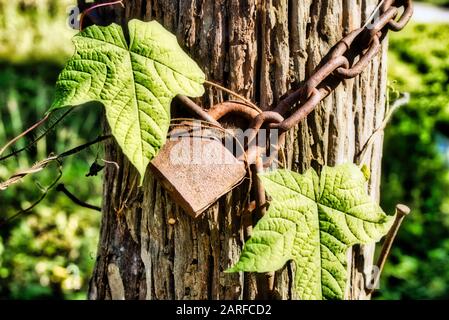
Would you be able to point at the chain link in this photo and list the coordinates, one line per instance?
(363, 43)
(406, 16)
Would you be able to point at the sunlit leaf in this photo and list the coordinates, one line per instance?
(136, 83)
(313, 220)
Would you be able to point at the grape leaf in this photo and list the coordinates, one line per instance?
(136, 83)
(313, 220)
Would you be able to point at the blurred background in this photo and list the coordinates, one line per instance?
(49, 252)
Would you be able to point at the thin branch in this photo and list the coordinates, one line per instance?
(373, 14)
(124, 204)
(39, 166)
(61, 188)
(83, 147)
(115, 164)
(248, 102)
(34, 126)
(32, 143)
(396, 105)
(41, 198)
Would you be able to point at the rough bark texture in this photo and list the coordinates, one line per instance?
(148, 248)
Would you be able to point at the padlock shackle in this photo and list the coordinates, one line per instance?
(203, 114)
(220, 110)
(259, 121)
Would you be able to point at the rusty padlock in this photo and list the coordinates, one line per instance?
(195, 167)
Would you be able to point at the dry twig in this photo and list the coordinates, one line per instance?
(361, 156)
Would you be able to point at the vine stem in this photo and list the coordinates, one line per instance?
(41, 198)
(32, 143)
(34, 126)
(248, 102)
(61, 188)
(396, 105)
(39, 166)
(115, 164)
(98, 6)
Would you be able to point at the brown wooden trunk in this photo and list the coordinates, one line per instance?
(259, 49)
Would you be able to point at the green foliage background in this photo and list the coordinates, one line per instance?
(416, 160)
(438, 2)
(50, 252)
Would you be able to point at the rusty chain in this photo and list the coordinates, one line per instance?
(363, 43)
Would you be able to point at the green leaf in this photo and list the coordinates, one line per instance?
(136, 83)
(313, 220)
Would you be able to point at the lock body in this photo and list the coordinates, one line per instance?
(196, 169)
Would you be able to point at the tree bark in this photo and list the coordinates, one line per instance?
(149, 248)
